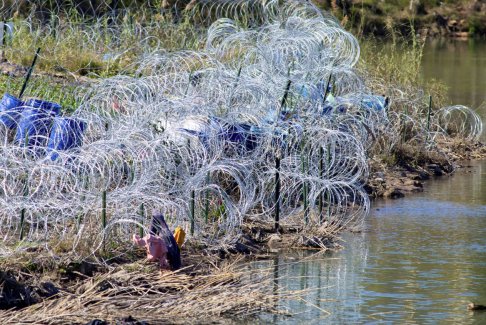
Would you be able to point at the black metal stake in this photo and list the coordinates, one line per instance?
(27, 77)
(321, 172)
(206, 202)
(304, 188)
(5, 31)
(192, 203)
(22, 212)
(103, 209)
(4, 41)
(142, 216)
(326, 91)
(283, 103)
(277, 193)
(103, 216)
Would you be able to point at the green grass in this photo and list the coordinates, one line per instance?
(80, 46)
(68, 94)
(98, 48)
(397, 64)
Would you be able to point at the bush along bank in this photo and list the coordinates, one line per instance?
(460, 19)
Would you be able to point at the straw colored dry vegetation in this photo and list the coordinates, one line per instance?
(135, 291)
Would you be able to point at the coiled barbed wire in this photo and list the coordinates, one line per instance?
(196, 135)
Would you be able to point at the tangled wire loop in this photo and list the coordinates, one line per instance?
(201, 136)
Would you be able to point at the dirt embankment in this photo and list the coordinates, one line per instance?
(464, 18)
(413, 167)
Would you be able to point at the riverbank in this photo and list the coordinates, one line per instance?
(212, 279)
(457, 19)
(213, 285)
(138, 293)
(413, 166)
(223, 154)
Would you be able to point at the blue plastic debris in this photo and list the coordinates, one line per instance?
(343, 104)
(33, 128)
(239, 134)
(374, 102)
(314, 93)
(10, 111)
(66, 133)
(50, 107)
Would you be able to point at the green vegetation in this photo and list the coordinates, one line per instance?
(398, 69)
(67, 93)
(104, 39)
(391, 65)
(238, 172)
(96, 48)
(77, 45)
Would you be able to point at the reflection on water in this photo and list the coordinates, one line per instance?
(461, 65)
(421, 260)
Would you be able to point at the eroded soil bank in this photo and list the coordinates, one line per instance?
(414, 165)
(459, 19)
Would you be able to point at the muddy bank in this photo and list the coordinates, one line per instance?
(413, 166)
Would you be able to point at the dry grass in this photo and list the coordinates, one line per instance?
(221, 293)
